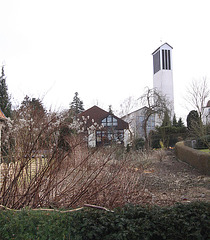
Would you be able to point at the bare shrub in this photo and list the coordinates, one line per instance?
(160, 154)
(39, 171)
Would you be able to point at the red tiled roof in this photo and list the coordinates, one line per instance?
(98, 115)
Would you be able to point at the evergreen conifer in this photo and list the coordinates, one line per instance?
(76, 105)
(5, 103)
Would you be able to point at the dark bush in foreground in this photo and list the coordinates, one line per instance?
(190, 221)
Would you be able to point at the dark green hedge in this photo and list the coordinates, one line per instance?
(184, 221)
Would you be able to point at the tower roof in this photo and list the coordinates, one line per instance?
(161, 46)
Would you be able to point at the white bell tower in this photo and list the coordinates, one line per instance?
(163, 73)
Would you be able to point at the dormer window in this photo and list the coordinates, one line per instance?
(109, 121)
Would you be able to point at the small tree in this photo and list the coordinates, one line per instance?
(174, 121)
(197, 129)
(180, 123)
(166, 120)
(5, 103)
(110, 109)
(193, 121)
(76, 105)
(155, 104)
(34, 106)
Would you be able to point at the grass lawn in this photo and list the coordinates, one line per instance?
(205, 150)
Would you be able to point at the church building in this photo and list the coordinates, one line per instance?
(163, 73)
(163, 83)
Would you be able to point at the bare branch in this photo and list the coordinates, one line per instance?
(197, 95)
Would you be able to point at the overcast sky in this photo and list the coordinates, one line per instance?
(101, 49)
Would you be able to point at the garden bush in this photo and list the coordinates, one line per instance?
(201, 143)
(181, 221)
(139, 143)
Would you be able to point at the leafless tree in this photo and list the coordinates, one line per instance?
(154, 104)
(197, 95)
(127, 106)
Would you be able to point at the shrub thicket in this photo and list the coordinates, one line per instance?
(169, 135)
(138, 143)
(182, 221)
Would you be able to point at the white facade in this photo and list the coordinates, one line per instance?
(163, 73)
(206, 114)
(136, 121)
(91, 138)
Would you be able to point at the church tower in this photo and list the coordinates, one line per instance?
(163, 73)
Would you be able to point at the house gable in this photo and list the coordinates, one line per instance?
(109, 127)
(98, 115)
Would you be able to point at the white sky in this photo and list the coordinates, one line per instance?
(101, 49)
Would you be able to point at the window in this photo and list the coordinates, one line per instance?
(169, 60)
(114, 121)
(105, 137)
(156, 62)
(166, 59)
(141, 121)
(98, 136)
(110, 121)
(163, 59)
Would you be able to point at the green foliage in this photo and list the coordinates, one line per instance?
(169, 135)
(174, 121)
(193, 120)
(180, 123)
(139, 143)
(198, 130)
(33, 225)
(182, 221)
(5, 103)
(166, 120)
(201, 142)
(161, 145)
